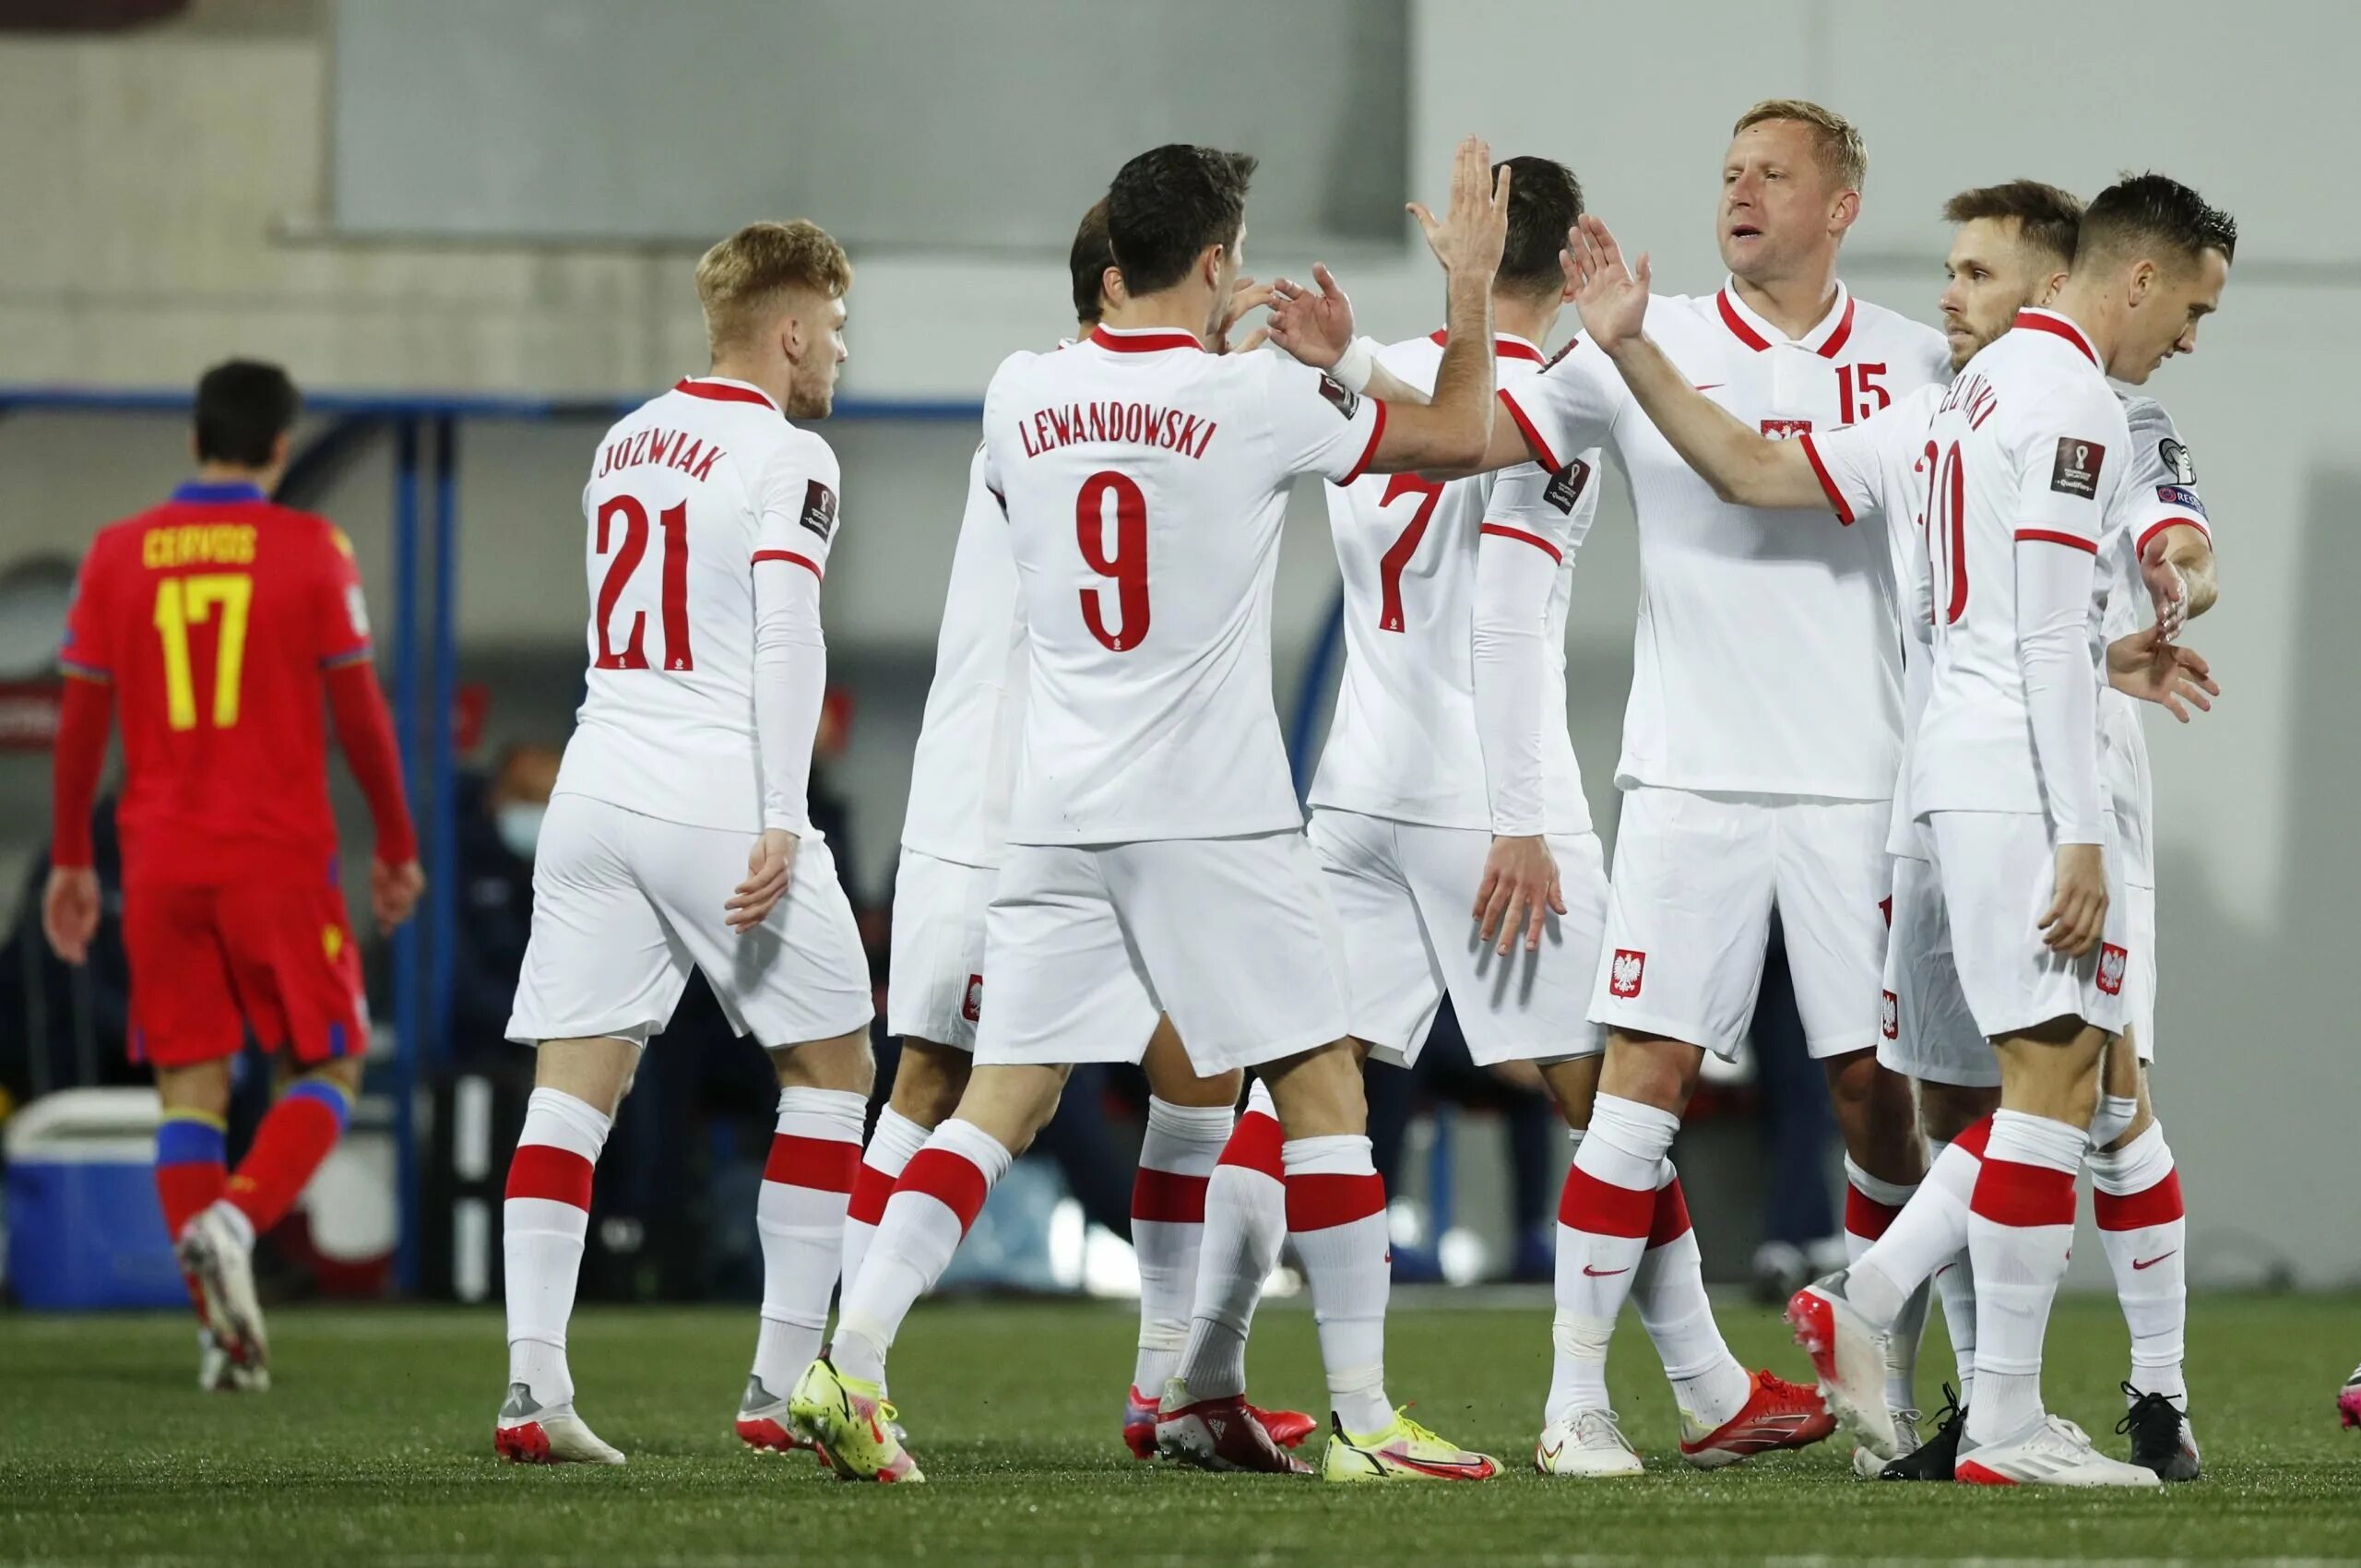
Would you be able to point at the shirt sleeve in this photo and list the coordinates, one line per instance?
(1570, 407)
(340, 608)
(1318, 426)
(2063, 488)
(1854, 465)
(792, 539)
(88, 650)
(1527, 529)
(2163, 478)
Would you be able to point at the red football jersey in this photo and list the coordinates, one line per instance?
(216, 617)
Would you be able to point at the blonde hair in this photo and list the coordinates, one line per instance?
(741, 280)
(1843, 157)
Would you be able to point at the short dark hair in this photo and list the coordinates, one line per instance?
(2047, 217)
(1166, 205)
(1545, 199)
(1088, 261)
(243, 407)
(2153, 212)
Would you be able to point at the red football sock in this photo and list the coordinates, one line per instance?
(288, 1148)
(190, 1171)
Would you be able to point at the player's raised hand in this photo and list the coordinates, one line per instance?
(393, 892)
(1314, 326)
(1247, 294)
(1473, 232)
(769, 866)
(1611, 296)
(2078, 910)
(69, 911)
(2168, 589)
(1519, 890)
(2151, 667)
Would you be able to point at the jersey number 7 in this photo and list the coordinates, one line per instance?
(1391, 565)
(182, 602)
(678, 655)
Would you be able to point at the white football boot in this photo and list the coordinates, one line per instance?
(1588, 1444)
(2052, 1452)
(219, 1248)
(529, 1432)
(1848, 1354)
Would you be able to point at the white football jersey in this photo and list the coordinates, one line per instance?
(2163, 492)
(965, 764)
(1875, 473)
(1764, 661)
(1403, 743)
(684, 495)
(1145, 482)
(2032, 448)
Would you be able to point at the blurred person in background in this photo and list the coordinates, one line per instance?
(223, 626)
(495, 864)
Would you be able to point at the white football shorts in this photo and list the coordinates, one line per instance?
(934, 990)
(625, 905)
(1404, 892)
(1998, 875)
(1689, 916)
(2140, 976)
(1928, 1031)
(1233, 937)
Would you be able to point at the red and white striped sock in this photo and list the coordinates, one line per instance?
(1668, 1290)
(1922, 1236)
(2019, 1229)
(891, 1143)
(1246, 1224)
(942, 1191)
(1177, 1159)
(1605, 1214)
(543, 1221)
(1337, 1214)
(815, 1150)
(2136, 1193)
(1871, 1205)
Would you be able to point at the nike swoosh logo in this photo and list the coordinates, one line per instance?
(1711, 385)
(1477, 1469)
(2153, 1261)
(1603, 1272)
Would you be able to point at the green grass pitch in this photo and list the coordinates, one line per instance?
(376, 1448)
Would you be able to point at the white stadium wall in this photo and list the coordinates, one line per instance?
(167, 197)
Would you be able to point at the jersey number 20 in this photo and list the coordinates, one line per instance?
(633, 655)
(1125, 563)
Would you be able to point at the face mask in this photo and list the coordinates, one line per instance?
(519, 823)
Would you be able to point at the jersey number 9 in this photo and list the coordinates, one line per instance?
(1125, 563)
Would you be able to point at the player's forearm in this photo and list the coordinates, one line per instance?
(365, 731)
(1394, 392)
(790, 685)
(1449, 434)
(2062, 684)
(1510, 660)
(1741, 465)
(85, 713)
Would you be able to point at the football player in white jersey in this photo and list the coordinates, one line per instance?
(1750, 783)
(710, 517)
(1450, 818)
(2025, 505)
(961, 774)
(1155, 859)
(2013, 247)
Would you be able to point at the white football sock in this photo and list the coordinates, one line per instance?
(544, 1220)
(1931, 1230)
(814, 1155)
(891, 1143)
(1337, 1214)
(2018, 1233)
(1246, 1224)
(942, 1191)
(1605, 1213)
(1668, 1290)
(1871, 1206)
(2136, 1193)
(1177, 1159)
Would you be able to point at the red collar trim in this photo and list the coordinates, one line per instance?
(1146, 341)
(1745, 333)
(726, 392)
(1504, 346)
(2035, 320)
